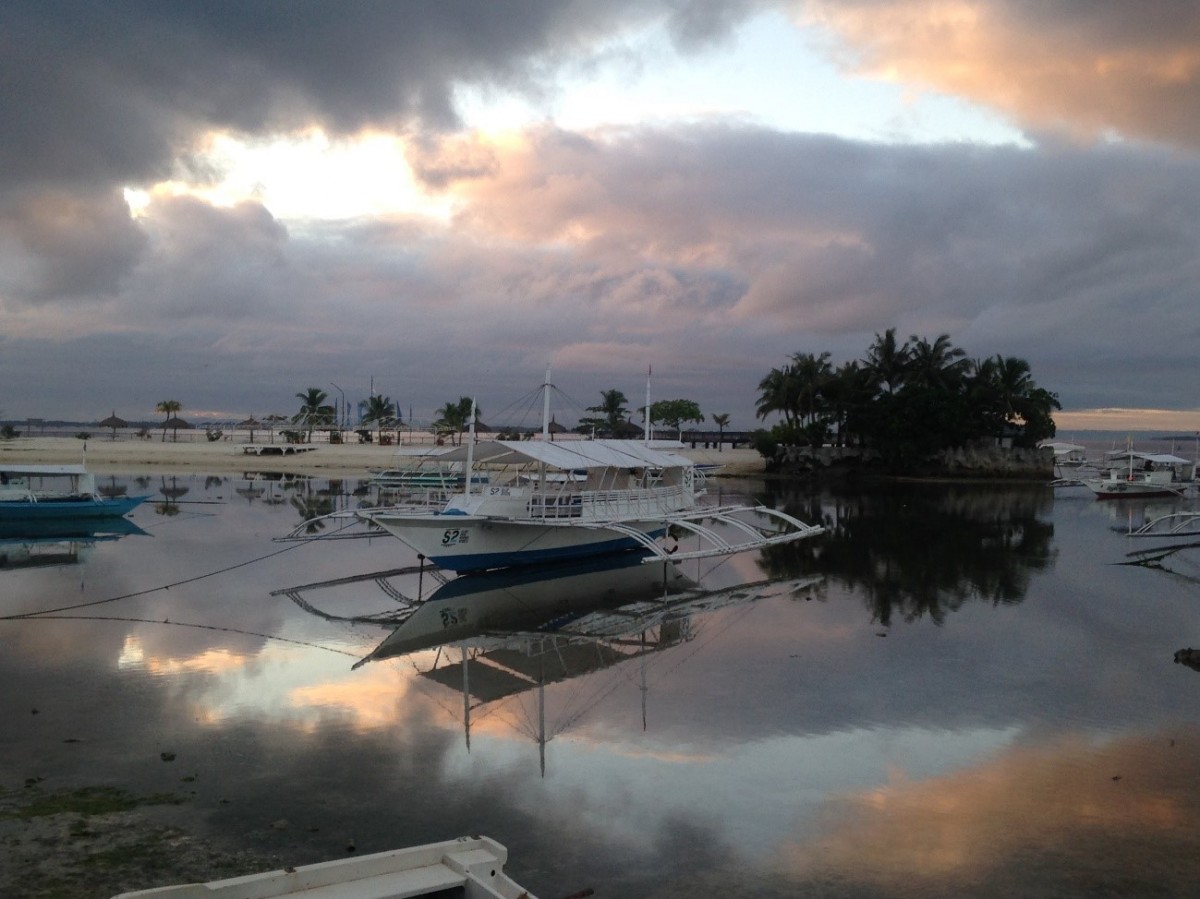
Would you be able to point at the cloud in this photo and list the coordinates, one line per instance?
(118, 92)
(1128, 69)
(65, 245)
(713, 250)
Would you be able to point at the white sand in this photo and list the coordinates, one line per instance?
(128, 455)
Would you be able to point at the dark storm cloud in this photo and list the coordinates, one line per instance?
(115, 91)
(65, 244)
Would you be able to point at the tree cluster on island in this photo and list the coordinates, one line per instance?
(906, 401)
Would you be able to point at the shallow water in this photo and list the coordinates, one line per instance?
(975, 698)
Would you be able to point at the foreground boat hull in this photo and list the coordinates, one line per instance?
(463, 543)
(471, 867)
(69, 509)
(1119, 489)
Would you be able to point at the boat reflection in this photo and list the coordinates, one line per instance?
(53, 543)
(518, 631)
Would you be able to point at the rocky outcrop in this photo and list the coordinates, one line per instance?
(962, 462)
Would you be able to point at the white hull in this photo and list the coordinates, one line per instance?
(470, 866)
(1117, 488)
(474, 543)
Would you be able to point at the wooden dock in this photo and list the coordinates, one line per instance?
(276, 449)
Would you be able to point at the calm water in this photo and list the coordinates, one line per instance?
(975, 698)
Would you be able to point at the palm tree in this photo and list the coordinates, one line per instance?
(314, 411)
(612, 410)
(382, 411)
(846, 393)
(721, 420)
(886, 362)
(1022, 401)
(777, 392)
(167, 408)
(456, 417)
(810, 374)
(939, 364)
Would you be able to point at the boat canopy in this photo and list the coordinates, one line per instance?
(577, 454)
(1063, 449)
(1156, 458)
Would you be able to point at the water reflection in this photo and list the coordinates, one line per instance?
(516, 632)
(53, 543)
(923, 553)
(1041, 741)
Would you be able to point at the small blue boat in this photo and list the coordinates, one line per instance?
(38, 493)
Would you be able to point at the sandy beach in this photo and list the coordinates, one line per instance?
(127, 455)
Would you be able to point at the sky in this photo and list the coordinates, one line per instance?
(226, 203)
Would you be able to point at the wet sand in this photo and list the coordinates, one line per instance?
(128, 454)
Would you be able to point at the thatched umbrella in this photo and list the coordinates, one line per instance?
(113, 422)
(175, 423)
(273, 420)
(250, 424)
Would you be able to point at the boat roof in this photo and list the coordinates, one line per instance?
(1158, 458)
(1063, 448)
(568, 456)
(43, 469)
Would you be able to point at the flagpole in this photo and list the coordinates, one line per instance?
(646, 434)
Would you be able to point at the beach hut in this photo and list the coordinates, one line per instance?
(250, 424)
(113, 422)
(174, 424)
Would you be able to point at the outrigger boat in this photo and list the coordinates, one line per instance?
(1143, 475)
(30, 493)
(545, 501)
(426, 470)
(471, 867)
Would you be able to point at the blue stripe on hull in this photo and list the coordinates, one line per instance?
(56, 510)
(483, 561)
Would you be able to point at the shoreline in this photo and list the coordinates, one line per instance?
(132, 456)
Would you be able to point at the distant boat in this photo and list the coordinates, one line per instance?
(422, 471)
(1066, 455)
(1138, 474)
(471, 867)
(31, 493)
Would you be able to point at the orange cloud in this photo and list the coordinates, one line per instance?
(1117, 67)
(1121, 808)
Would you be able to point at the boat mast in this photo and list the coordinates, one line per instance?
(546, 406)
(646, 433)
(470, 450)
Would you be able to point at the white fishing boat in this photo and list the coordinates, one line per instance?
(423, 469)
(1138, 474)
(470, 867)
(38, 493)
(1066, 455)
(546, 501)
(529, 502)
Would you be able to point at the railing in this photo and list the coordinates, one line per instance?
(607, 505)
